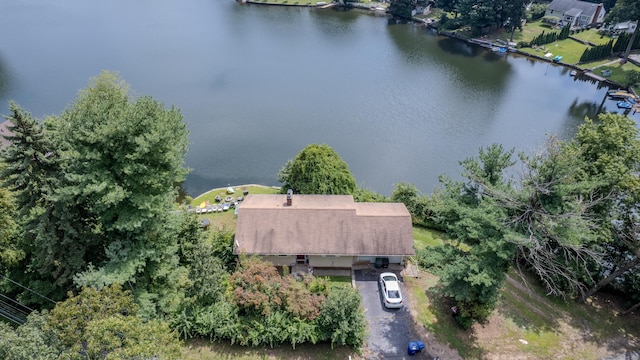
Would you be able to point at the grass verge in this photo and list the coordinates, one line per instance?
(200, 349)
(227, 219)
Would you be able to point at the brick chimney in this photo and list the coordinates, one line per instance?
(289, 197)
(595, 16)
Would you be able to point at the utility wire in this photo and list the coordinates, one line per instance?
(33, 291)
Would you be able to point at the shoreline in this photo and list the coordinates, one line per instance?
(236, 187)
(586, 73)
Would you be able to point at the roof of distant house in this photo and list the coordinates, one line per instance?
(587, 8)
(322, 225)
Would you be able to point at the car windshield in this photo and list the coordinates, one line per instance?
(389, 278)
(393, 294)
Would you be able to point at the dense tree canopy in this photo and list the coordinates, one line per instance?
(625, 10)
(10, 254)
(571, 219)
(95, 187)
(317, 169)
(483, 15)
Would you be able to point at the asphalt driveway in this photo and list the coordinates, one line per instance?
(390, 330)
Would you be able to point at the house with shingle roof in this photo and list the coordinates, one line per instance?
(575, 12)
(322, 231)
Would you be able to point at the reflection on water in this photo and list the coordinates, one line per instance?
(4, 79)
(256, 84)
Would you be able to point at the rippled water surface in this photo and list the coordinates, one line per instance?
(256, 84)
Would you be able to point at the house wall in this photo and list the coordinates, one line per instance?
(372, 259)
(278, 260)
(330, 261)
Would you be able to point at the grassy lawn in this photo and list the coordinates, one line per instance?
(569, 49)
(338, 281)
(592, 36)
(426, 237)
(618, 72)
(526, 324)
(227, 219)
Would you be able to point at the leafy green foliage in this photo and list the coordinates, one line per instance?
(128, 337)
(473, 269)
(401, 8)
(597, 52)
(30, 170)
(10, 254)
(317, 169)
(103, 325)
(263, 307)
(30, 341)
(71, 317)
(416, 202)
(622, 11)
(546, 38)
(633, 77)
(341, 320)
(364, 195)
(258, 289)
(536, 11)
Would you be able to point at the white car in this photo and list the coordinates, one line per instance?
(390, 288)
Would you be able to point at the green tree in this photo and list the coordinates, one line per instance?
(514, 12)
(32, 173)
(448, 6)
(401, 8)
(103, 325)
(317, 169)
(536, 11)
(633, 77)
(473, 268)
(341, 320)
(10, 254)
(625, 10)
(33, 340)
(128, 337)
(30, 158)
(610, 152)
(416, 203)
(122, 159)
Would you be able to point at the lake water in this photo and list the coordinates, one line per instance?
(256, 84)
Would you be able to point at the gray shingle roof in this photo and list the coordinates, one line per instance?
(587, 8)
(322, 225)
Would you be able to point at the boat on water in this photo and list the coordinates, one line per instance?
(627, 103)
(624, 105)
(620, 95)
(573, 73)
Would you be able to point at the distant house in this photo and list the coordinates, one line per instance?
(575, 12)
(627, 26)
(322, 231)
(4, 131)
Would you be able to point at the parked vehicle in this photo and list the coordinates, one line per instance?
(390, 287)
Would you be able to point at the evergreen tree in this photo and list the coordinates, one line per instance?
(317, 169)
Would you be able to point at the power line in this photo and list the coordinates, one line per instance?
(26, 288)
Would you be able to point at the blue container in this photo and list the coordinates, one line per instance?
(415, 347)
